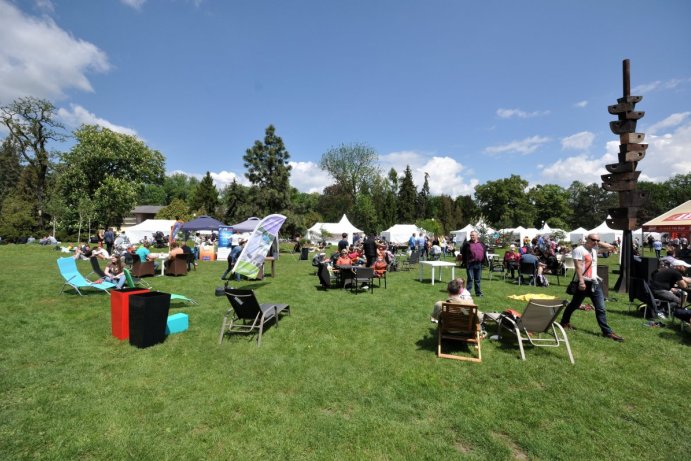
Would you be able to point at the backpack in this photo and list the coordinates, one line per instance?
(542, 281)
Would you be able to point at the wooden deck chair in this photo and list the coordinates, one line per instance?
(246, 314)
(70, 273)
(538, 318)
(459, 322)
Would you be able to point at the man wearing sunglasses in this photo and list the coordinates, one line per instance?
(589, 285)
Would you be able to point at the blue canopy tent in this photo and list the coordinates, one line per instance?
(202, 223)
(246, 226)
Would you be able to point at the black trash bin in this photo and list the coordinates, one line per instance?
(603, 273)
(304, 254)
(148, 318)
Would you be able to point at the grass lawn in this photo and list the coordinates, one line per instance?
(344, 377)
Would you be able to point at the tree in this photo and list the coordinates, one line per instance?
(351, 165)
(365, 213)
(179, 186)
(205, 198)
(590, 204)
(10, 168)
(16, 220)
(407, 197)
(104, 159)
(177, 209)
(234, 199)
(505, 203)
(423, 199)
(468, 209)
(152, 194)
(334, 203)
(550, 202)
(269, 172)
(32, 125)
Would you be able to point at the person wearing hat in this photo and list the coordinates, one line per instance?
(669, 284)
(511, 259)
(233, 257)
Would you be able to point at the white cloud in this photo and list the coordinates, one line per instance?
(581, 104)
(308, 177)
(45, 5)
(579, 141)
(43, 60)
(220, 179)
(136, 4)
(446, 175)
(525, 146)
(77, 115)
(670, 122)
(666, 156)
(658, 85)
(510, 113)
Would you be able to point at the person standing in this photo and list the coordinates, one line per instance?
(657, 246)
(370, 248)
(343, 243)
(474, 255)
(109, 239)
(412, 241)
(589, 285)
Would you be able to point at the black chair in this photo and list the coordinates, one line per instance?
(96, 268)
(364, 276)
(246, 314)
(527, 269)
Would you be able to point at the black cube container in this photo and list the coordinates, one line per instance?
(304, 254)
(148, 318)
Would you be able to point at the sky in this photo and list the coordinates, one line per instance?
(465, 91)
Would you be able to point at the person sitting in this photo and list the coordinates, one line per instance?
(511, 259)
(100, 253)
(435, 252)
(145, 255)
(82, 251)
(530, 258)
(668, 284)
(356, 257)
(174, 251)
(344, 259)
(379, 267)
(456, 292)
(115, 272)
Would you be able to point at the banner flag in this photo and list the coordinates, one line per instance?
(258, 245)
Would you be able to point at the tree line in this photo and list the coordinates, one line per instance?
(104, 175)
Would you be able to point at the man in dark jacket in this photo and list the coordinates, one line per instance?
(370, 248)
(474, 255)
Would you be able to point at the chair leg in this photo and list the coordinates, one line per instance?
(566, 341)
(520, 343)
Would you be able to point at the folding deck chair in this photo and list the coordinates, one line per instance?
(459, 322)
(539, 317)
(70, 273)
(246, 314)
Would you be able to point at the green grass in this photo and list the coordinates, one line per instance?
(344, 377)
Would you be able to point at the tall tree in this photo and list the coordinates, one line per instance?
(234, 199)
(589, 204)
(179, 185)
(105, 163)
(551, 204)
(269, 172)
(351, 165)
(407, 198)
(205, 199)
(468, 210)
(423, 199)
(10, 168)
(32, 124)
(504, 202)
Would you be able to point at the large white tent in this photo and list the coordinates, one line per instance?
(400, 233)
(147, 229)
(464, 234)
(607, 234)
(331, 232)
(577, 235)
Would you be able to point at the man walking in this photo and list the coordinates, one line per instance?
(474, 255)
(589, 285)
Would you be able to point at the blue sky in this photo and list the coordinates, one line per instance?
(465, 91)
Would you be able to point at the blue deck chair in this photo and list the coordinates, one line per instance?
(69, 272)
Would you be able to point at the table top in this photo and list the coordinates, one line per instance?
(438, 263)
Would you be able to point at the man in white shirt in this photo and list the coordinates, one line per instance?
(589, 285)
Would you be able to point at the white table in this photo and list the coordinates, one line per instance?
(162, 257)
(439, 264)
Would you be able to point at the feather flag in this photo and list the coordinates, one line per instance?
(258, 245)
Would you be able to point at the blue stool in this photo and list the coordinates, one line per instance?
(177, 323)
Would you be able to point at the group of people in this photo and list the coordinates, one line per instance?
(431, 248)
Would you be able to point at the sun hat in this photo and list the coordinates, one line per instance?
(679, 262)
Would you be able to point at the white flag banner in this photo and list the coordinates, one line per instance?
(252, 257)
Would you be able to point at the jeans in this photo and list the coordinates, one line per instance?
(474, 271)
(119, 282)
(597, 297)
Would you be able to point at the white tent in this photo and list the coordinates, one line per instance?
(607, 234)
(400, 233)
(462, 234)
(147, 228)
(331, 232)
(576, 235)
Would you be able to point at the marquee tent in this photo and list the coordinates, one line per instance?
(676, 221)
(400, 233)
(246, 226)
(202, 223)
(607, 234)
(331, 232)
(464, 234)
(148, 228)
(576, 235)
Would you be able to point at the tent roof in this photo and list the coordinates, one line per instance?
(676, 219)
(147, 227)
(202, 223)
(247, 225)
(580, 230)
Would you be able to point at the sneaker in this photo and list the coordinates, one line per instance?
(479, 295)
(433, 320)
(567, 326)
(614, 336)
(662, 316)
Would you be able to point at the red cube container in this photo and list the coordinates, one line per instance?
(120, 310)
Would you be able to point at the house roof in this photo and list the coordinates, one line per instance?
(147, 209)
